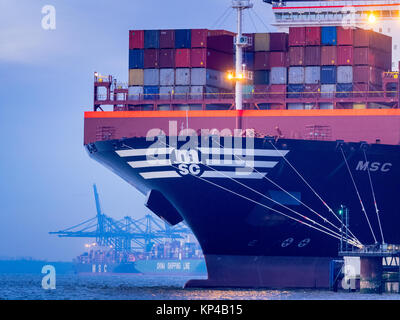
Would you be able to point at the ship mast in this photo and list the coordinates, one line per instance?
(240, 42)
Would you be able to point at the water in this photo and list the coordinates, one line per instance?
(139, 287)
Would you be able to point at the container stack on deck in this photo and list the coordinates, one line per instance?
(179, 63)
(307, 63)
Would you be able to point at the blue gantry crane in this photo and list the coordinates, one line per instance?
(125, 235)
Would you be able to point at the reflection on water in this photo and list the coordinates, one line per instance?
(138, 287)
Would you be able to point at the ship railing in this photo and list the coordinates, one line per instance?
(391, 75)
(123, 96)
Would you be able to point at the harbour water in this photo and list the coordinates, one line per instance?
(140, 287)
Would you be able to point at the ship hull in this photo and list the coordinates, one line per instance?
(247, 223)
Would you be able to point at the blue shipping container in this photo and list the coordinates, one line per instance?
(248, 60)
(328, 74)
(297, 90)
(151, 92)
(136, 59)
(261, 77)
(152, 39)
(343, 90)
(328, 36)
(183, 38)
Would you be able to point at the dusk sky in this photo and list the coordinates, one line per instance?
(46, 84)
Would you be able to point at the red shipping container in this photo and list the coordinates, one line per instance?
(312, 56)
(151, 58)
(345, 36)
(277, 91)
(296, 56)
(345, 55)
(182, 58)
(167, 39)
(220, 32)
(261, 91)
(360, 89)
(261, 60)
(297, 36)
(167, 58)
(367, 74)
(199, 38)
(312, 90)
(278, 41)
(211, 59)
(136, 39)
(278, 59)
(328, 55)
(364, 56)
(313, 36)
(223, 43)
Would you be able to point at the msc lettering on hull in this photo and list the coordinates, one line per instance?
(373, 166)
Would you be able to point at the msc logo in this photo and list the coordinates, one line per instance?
(187, 161)
(374, 166)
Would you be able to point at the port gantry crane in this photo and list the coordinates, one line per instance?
(124, 235)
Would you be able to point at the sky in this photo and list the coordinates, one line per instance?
(46, 84)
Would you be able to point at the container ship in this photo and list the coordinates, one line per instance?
(277, 149)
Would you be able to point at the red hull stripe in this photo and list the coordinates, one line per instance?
(354, 5)
(245, 113)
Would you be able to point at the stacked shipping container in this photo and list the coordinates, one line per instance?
(176, 63)
(308, 62)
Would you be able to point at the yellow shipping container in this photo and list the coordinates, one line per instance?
(261, 42)
(135, 77)
(359, 106)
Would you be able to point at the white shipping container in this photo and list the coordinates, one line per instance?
(181, 92)
(296, 75)
(295, 106)
(327, 90)
(312, 75)
(167, 77)
(278, 75)
(182, 76)
(134, 92)
(166, 92)
(345, 74)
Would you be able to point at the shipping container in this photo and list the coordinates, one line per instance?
(360, 89)
(150, 92)
(152, 39)
(297, 36)
(166, 92)
(328, 90)
(167, 77)
(136, 59)
(167, 39)
(312, 75)
(261, 60)
(211, 59)
(367, 74)
(328, 55)
(135, 77)
(167, 58)
(151, 77)
(182, 58)
(328, 36)
(181, 92)
(183, 38)
(312, 56)
(223, 43)
(328, 74)
(151, 58)
(209, 77)
(199, 38)
(261, 91)
(295, 91)
(295, 106)
(277, 59)
(369, 38)
(345, 36)
(359, 106)
(261, 77)
(278, 75)
(182, 76)
(135, 92)
(248, 60)
(345, 55)
(313, 36)
(277, 91)
(296, 56)
(278, 41)
(344, 90)
(201, 92)
(326, 105)
(296, 75)
(345, 74)
(261, 42)
(312, 91)
(136, 39)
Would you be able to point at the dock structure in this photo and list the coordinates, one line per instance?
(375, 260)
